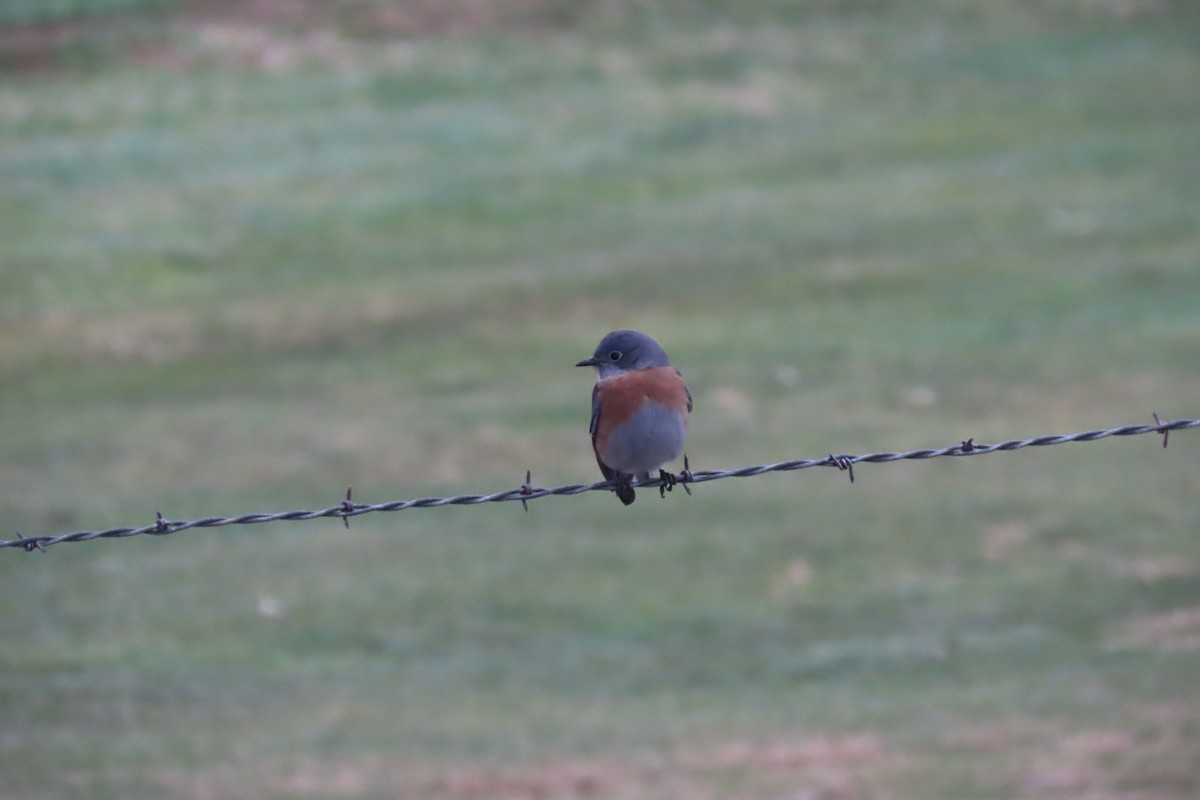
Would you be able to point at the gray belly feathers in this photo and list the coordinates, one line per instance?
(653, 437)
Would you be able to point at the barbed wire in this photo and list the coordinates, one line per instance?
(665, 482)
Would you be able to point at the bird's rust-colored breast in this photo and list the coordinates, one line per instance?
(624, 395)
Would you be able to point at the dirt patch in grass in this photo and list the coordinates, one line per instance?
(818, 767)
(1177, 630)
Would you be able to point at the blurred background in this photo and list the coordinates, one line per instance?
(254, 252)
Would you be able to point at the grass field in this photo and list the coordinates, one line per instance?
(249, 260)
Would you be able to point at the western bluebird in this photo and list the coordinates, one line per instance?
(640, 409)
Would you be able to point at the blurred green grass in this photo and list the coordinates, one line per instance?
(261, 265)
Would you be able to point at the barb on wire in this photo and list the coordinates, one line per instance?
(526, 492)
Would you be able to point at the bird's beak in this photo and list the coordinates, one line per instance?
(587, 362)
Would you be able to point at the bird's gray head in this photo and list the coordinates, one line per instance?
(625, 350)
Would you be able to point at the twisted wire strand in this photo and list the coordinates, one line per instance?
(524, 493)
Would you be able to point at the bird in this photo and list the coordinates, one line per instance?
(640, 408)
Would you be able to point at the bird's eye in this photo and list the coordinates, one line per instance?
(615, 355)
